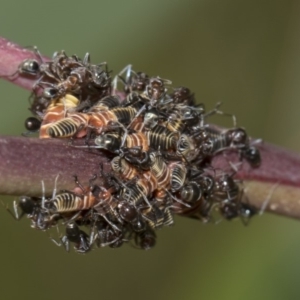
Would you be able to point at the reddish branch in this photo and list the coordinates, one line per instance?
(26, 161)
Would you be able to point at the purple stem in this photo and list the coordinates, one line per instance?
(274, 186)
(11, 55)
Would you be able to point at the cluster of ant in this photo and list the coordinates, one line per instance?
(161, 146)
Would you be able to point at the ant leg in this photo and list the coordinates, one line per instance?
(86, 60)
(36, 52)
(16, 211)
(93, 235)
(79, 184)
(93, 179)
(137, 114)
(118, 77)
(217, 111)
(177, 200)
(12, 76)
(256, 141)
(73, 218)
(55, 187)
(110, 223)
(66, 243)
(57, 243)
(268, 199)
(43, 194)
(16, 214)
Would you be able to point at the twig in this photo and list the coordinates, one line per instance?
(11, 55)
(26, 161)
(275, 185)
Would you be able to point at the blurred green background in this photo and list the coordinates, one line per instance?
(243, 53)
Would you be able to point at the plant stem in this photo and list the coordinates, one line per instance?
(11, 55)
(26, 161)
